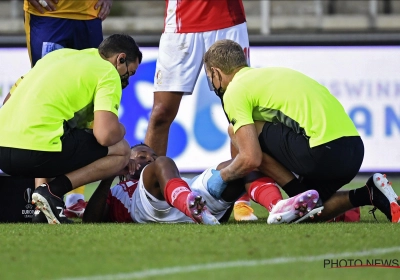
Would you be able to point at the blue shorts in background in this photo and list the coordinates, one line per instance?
(45, 34)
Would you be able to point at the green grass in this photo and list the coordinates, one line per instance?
(36, 251)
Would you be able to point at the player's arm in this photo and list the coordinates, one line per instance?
(107, 129)
(249, 154)
(234, 150)
(245, 148)
(97, 208)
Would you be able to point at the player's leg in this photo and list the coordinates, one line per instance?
(96, 210)
(219, 208)
(265, 192)
(285, 152)
(178, 66)
(164, 111)
(84, 161)
(45, 34)
(86, 34)
(334, 165)
(377, 192)
(162, 177)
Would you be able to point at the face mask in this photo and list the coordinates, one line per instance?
(218, 91)
(125, 78)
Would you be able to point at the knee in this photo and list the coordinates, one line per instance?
(163, 114)
(164, 161)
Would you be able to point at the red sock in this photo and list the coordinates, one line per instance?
(175, 192)
(264, 191)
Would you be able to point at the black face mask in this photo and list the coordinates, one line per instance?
(218, 91)
(125, 78)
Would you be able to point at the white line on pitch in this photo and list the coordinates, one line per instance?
(244, 263)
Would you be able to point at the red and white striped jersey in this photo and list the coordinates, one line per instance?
(119, 201)
(192, 16)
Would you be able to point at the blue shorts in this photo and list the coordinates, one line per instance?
(46, 34)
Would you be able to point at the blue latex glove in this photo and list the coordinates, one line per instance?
(215, 184)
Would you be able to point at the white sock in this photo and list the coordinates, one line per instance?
(73, 198)
(242, 201)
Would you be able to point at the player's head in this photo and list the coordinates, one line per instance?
(143, 155)
(224, 57)
(121, 43)
(124, 53)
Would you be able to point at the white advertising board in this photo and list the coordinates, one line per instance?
(364, 78)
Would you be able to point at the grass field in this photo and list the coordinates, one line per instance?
(184, 251)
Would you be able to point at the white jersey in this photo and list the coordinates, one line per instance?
(130, 202)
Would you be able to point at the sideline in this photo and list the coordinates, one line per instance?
(221, 265)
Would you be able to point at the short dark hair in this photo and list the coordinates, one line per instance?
(121, 43)
(139, 145)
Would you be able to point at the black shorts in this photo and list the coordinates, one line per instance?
(79, 149)
(325, 168)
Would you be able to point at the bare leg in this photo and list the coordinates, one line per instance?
(96, 210)
(117, 158)
(39, 181)
(165, 108)
(271, 168)
(334, 206)
(157, 174)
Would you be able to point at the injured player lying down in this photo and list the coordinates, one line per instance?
(155, 192)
